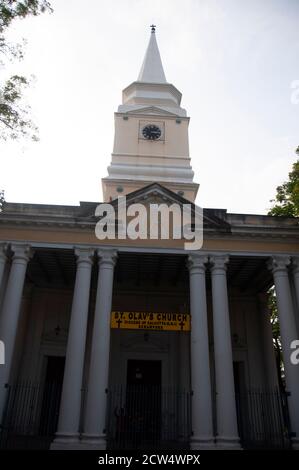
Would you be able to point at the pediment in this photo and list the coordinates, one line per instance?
(155, 193)
(153, 111)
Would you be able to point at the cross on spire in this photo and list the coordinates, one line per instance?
(152, 68)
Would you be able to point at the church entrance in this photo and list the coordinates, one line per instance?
(143, 401)
(51, 395)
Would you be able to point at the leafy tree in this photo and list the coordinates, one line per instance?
(276, 336)
(286, 204)
(15, 119)
(286, 201)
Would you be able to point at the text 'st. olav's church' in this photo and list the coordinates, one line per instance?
(138, 342)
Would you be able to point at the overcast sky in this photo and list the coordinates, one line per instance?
(234, 61)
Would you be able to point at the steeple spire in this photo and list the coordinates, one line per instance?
(137, 160)
(152, 68)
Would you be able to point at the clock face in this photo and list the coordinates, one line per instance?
(151, 132)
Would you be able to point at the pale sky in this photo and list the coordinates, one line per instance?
(234, 61)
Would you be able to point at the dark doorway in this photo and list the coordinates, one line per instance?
(241, 398)
(52, 395)
(143, 401)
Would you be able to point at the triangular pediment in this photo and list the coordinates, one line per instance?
(153, 111)
(156, 193)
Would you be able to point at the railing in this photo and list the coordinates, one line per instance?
(141, 417)
(31, 416)
(263, 419)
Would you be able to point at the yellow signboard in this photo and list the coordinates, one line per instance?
(150, 321)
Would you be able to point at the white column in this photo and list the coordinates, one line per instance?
(70, 406)
(95, 417)
(202, 420)
(3, 258)
(10, 313)
(279, 266)
(3, 272)
(227, 428)
(183, 367)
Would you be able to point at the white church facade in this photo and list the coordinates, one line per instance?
(140, 343)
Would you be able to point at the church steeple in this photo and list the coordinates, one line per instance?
(152, 68)
(151, 134)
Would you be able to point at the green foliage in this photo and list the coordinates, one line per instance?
(286, 203)
(287, 195)
(12, 9)
(14, 114)
(276, 334)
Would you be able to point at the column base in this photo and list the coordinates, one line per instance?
(202, 443)
(228, 443)
(66, 441)
(93, 442)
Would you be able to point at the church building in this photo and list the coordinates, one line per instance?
(139, 343)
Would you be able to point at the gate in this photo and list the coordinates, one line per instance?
(144, 417)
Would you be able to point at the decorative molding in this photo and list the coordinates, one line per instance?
(197, 263)
(21, 252)
(135, 344)
(50, 338)
(279, 264)
(210, 232)
(84, 255)
(219, 262)
(150, 110)
(81, 218)
(3, 252)
(107, 257)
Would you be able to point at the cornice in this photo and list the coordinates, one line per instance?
(217, 223)
(209, 232)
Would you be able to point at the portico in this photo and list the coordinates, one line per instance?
(102, 279)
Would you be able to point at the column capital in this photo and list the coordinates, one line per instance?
(84, 255)
(3, 251)
(197, 263)
(107, 257)
(219, 262)
(279, 263)
(21, 252)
